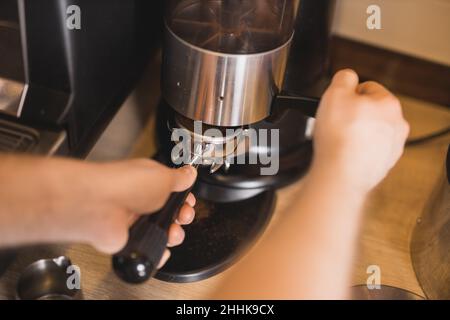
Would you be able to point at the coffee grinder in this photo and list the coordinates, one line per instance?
(224, 65)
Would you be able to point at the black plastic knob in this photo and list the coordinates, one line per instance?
(139, 260)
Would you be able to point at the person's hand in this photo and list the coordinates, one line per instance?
(359, 135)
(60, 200)
(360, 131)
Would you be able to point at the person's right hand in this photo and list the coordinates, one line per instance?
(360, 131)
(46, 200)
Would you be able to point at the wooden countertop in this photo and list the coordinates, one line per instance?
(396, 205)
(391, 213)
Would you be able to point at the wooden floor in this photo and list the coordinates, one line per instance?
(391, 214)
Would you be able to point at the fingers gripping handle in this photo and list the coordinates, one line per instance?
(148, 237)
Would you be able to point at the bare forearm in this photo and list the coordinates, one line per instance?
(309, 253)
(327, 220)
(45, 200)
(28, 190)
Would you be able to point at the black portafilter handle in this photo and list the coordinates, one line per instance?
(138, 261)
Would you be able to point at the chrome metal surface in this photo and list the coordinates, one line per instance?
(211, 147)
(15, 137)
(430, 244)
(47, 279)
(221, 89)
(11, 93)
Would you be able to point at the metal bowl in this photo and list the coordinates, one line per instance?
(47, 279)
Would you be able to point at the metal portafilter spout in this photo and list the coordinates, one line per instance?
(148, 238)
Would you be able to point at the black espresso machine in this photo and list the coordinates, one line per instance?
(240, 64)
